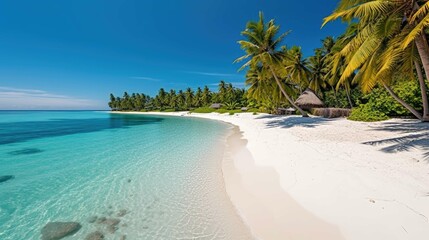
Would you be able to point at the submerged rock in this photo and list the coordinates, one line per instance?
(111, 221)
(58, 230)
(26, 151)
(122, 212)
(112, 224)
(6, 178)
(92, 219)
(129, 180)
(101, 219)
(123, 237)
(97, 235)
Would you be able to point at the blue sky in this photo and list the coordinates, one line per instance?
(72, 54)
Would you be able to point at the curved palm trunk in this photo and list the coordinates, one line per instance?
(349, 98)
(335, 95)
(425, 117)
(402, 102)
(303, 113)
(423, 49)
(347, 88)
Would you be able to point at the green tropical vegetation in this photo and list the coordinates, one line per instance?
(385, 39)
(379, 68)
(227, 95)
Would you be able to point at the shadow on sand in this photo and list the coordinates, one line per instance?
(293, 121)
(413, 134)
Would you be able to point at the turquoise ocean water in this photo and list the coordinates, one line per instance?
(164, 172)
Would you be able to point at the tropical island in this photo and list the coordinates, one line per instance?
(305, 121)
(333, 175)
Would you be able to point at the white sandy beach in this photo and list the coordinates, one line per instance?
(314, 178)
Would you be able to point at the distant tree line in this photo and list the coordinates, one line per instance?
(227, 95)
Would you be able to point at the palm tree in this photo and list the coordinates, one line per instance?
(137, 102)
(206, 96)
(173, 100)
(126, 102)
(181, 100)
(189, 98)
(317, 67)
(198, 97)
(381, 48)
(112, 103)
(261, 47)
(328, 45)
(296, 67)
(118, 103)
(161, 97)
(260, 85)
(230, 93)
(222, 91)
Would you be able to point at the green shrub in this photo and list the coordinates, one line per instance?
(380, 100)
(203, 110)
(231, 105)
(169, 110)
(380, 105)
(232, 112)
(221, 110)
(366, 113)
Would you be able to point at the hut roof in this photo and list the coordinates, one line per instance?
(309, 99)
(216, 105)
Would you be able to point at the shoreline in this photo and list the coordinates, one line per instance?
(336, 179)
(268, 210)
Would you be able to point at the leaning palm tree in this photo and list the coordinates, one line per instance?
(261, 47)
(379, 49)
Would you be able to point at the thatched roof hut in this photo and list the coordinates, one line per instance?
(216, 105)
(309, 99)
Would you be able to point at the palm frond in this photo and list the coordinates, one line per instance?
(365, 12)
(365, 51)
(418, 29)
(421, 13)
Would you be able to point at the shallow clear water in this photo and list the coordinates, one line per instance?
(69, 166)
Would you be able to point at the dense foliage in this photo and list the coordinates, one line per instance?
(379, 105)
(367, 113)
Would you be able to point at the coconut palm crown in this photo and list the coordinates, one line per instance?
(262, 49)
